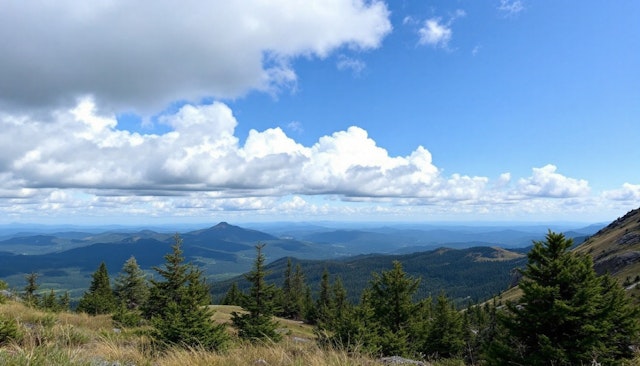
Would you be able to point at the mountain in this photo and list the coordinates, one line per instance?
(616, 248)
(67, 261)
(470, 274)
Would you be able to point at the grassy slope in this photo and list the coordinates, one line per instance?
(615, 249)
(78, 339)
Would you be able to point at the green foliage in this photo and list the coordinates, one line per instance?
(567, 314)
(445, 336)
(324, 305)
(131, 285)
(233, 296)
(9, 330)
(100, 298)
(393, 308)
(258, 324)
(3, 286)
(178, 305)
(293, 292)
(64, 301)
(30, 297)
(125, 317)
(49, 301)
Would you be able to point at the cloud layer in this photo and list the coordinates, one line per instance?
(79, 161)
(133, 56)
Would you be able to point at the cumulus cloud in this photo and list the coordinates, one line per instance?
(78, 162)
(628, 192)
(132, 56)
(545, 182)
(435, 33)
(347, 63)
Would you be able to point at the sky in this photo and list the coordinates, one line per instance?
(132, 112)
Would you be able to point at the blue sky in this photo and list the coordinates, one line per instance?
(506, 110)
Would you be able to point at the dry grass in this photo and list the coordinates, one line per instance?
(79, 339)
(69, 339)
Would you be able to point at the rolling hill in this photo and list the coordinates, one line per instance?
(66, 259)
(615, 249)
(471, 274)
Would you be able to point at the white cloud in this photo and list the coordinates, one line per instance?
(510, 7)
(346, 63)
(132, 56)
(78, 162)
(545, 182)
(295, 126)
(434, 33)
(628, 192)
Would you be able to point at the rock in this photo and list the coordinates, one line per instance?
(629, 239)
(397, 360)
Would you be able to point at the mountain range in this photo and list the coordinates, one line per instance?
(65, 260)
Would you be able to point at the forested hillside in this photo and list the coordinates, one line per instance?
(472, 274)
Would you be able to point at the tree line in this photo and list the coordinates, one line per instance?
(566, 315)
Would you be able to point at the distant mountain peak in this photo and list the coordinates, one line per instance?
(222, 225)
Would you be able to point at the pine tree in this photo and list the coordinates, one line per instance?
(178, 305)
(131, 285)
(233, 296)
(445, 334)
(30, 297)
(64, 301)
(567, 314)
(293, 292)
(340, 303)
(49, 301)
(393, 308)
(258, 324)
(100, 298)
(3, 287)
(324, 305)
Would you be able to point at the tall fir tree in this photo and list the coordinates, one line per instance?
(293, 292)
(233, 296)
(324, 304)
(131, 287)
(567, 314)
(391, 300)
(257, 323)
(445, 334)
(178, 305)
(100, 298)
(49, 301)
(30, 296)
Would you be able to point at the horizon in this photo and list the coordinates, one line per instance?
(349, 110)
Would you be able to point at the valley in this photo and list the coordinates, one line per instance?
(470, 263)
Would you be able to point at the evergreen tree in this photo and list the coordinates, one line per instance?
(393, 308)
(30, 297)
(340, 303)
(258, 324)
(293, 292)
(131, 286)
(233, 296)
(178, 305)
(445, 332)
(3, 286)
(64, 301)
(100, 298)
(49, 301)
(567, 315)
(324, 305)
